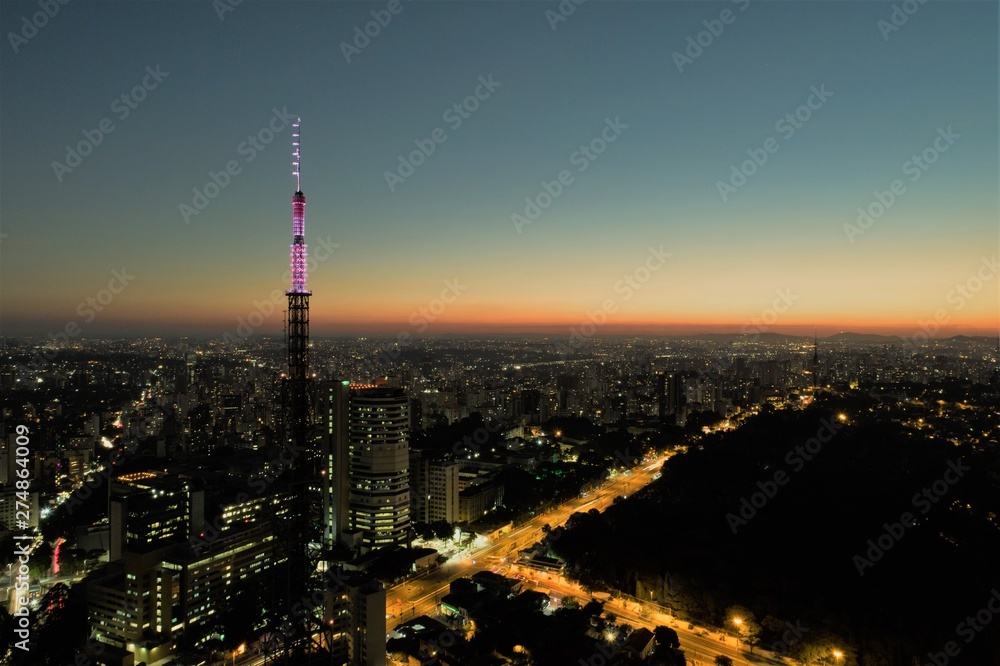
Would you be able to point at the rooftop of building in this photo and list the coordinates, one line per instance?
(639, 639)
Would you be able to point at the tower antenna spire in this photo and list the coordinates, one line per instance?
(299, 249)
(297, 154)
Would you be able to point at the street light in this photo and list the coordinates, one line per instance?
(838, 655)
(739, 623)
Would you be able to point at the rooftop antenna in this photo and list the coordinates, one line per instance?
(298, 248)
(296, 155)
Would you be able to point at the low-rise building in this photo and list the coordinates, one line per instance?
(639, 644)
(476, 501)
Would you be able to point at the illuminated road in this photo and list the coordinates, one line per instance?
(700, 645)
(420, 595)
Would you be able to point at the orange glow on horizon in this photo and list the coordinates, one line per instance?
(336, 313)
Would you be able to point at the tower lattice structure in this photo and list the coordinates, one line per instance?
(299, 635)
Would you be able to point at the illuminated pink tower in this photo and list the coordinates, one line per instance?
(297, 403)
(299, 252)
(297, 530)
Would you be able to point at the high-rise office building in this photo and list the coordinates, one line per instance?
(378, 459)
(150, 509)
(335, 399)
(125, 603)
(672, 396)
(355, 610)
(142, 601)
(367, 644)
(434, 486)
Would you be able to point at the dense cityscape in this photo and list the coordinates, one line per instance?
(498, 453)
(616, 334)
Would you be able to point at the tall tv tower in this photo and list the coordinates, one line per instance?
(298, 306)
(297, 527)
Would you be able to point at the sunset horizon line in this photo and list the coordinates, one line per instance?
(241, 330)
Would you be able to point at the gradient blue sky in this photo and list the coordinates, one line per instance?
(655, 185)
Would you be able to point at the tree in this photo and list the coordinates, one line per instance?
(666, 637)
(422, 530)
(71, 560)
(41, 560)
(59, 627)
(593, 608)
(723, 660)
(697, 420)
(7, 635)
(442, 529)
(821, 647)
(743, 621)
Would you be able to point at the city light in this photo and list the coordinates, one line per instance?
(591, 434)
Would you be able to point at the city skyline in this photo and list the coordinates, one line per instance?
(653, 233)
(594, 305)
